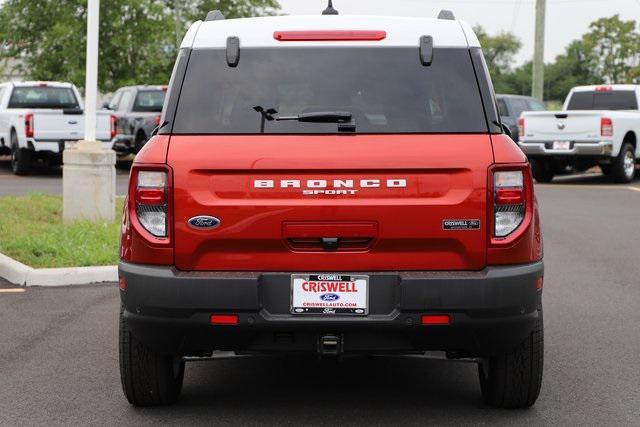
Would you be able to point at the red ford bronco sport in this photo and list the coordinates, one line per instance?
(332, 185)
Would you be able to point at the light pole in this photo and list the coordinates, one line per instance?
(538, 55)
(89, 177)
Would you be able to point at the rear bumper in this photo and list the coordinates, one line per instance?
(490, 311)
(47, 147)
(602, 148)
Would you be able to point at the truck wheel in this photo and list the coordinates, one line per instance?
(542, 170)
(623, 167)
(20, 157)
(141, 139)
(148, 378)
(513, 379)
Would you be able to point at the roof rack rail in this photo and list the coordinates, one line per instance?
(214, 15)
(447, 15)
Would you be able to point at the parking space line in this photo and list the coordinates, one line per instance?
(588, 187)
(11, 291)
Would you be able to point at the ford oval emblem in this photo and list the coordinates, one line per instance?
(329, 297)
(204, 222)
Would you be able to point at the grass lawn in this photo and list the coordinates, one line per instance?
(32, 232)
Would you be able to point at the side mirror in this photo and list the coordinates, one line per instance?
(507, 131)
(105, 106)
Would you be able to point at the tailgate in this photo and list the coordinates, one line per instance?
(282, 202)
(562, 126)
(56, 125)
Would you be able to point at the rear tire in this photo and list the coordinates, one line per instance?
(542, 170)
(514, 379)
(623, 167)
(148, 378)
(20, 157)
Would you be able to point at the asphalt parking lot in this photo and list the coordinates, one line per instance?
(46, 180)
(59, 362)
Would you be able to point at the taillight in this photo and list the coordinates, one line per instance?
(521, 127)
(114, 126)
(156, 120)
(509, 202)
(604, 89)
(606, 126)
(28, 125)
(151, 202)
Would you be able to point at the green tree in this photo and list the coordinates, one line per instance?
(197, 9)
(48, 37)
(499, 52)
(612, 49)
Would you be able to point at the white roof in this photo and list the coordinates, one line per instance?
(36, 83)
(258, 32)
(613, 87)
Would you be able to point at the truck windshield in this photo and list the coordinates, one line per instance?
(613, 100)
(43, 97)
(386, 90)
(149, 101)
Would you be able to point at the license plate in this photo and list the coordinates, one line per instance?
(562, 145)
(330, 294)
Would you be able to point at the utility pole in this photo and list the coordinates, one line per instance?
(88, 174)
(538, 55)
(176, 6)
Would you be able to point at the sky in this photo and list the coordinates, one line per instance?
(567, 20)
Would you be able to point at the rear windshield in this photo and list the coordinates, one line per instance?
(386, 90)
(43, 97)
(149, 101)
(615, 100)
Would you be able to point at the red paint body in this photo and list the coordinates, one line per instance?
(279, 229)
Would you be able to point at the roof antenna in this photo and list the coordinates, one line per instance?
(330, 10)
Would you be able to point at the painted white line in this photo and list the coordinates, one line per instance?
(584, 186)
(12, 291)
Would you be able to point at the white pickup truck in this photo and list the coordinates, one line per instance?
(37, 119)
(599, 126)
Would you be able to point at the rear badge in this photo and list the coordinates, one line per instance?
(204, 222)
(461, 224)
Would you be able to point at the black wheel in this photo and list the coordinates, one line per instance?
(141, 139)
(20, 157)
(513, 379)
(148, 378)
(542, 170)
(623, 167)
(606, 169)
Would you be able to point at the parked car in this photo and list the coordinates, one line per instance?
(599, 126)
(37, 119)
(137, 109)
(333, 185)
(511, 107)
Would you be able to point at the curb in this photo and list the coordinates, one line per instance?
(22, 275)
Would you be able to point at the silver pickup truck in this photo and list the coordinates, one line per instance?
(137, 110)
(37, 120)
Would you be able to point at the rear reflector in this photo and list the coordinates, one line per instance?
(224, 319)
(325, 36)
(539, 283)
(122, 284)
(435, 319)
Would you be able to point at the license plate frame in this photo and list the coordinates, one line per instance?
(358, 301)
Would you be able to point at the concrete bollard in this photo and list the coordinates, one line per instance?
(89, 183)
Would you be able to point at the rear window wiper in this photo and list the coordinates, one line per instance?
(340, 117)
(319, 117)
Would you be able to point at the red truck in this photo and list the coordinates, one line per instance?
(331, 185)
